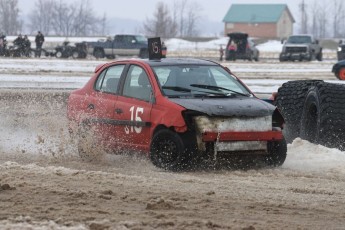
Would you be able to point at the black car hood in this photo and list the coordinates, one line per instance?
(237, 106)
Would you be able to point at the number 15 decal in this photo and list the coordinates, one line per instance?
(135, 116)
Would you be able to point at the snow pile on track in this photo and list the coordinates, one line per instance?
(307, 157)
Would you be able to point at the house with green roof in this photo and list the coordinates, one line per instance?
(259, 20)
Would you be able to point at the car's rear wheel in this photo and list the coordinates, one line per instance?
(88, 146)
(75, 54)
(319, 56)
(277, 153)
(168, 150)
(256, 58)
(281, 59)
(58, 54)
(98, 53)
(341, 73)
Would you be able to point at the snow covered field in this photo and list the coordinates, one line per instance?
(44, 185)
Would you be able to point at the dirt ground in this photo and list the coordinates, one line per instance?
(44, 184)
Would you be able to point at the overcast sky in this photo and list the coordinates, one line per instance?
(214, 10)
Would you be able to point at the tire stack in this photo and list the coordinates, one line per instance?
(290, 102)
(315, 111)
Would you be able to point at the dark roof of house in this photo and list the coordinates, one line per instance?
(256, 13)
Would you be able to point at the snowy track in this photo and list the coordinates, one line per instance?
(261, 77)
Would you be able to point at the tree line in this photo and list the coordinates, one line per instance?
(52, 17)
(63, 18)
(323, 19)
(180, 19)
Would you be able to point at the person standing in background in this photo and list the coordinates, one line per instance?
(39, 43)
(221, 53)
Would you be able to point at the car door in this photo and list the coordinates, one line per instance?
(133, 110)
(102, 104)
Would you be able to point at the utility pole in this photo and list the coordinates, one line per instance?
(304, 19)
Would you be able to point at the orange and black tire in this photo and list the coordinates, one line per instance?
(341, 73)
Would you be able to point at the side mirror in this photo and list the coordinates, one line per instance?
(316, 41)
(282, 41)
(340, 42)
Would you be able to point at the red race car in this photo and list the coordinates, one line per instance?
(175, 111)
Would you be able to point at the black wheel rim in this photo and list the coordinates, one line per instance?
(166, 150)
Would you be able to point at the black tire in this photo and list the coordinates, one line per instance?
(144, 53)
(312, 56)
(256, 57)
(281, 59)
(58, 54)
(290, 100)
(98, 53)
(75, 54)
(319, 56)
(250, 56)
(168, 151)
(82, 54)
(277, 153)
(323, 118)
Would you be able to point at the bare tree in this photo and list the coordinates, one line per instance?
(338, 18)
(61, 18)
(319, 24)
(304, 17)
(326, 19)
(192, 18)
(41, 16)
(85, 22)
(181, 9)
(161, 24)
(183, 22)
(9, 14)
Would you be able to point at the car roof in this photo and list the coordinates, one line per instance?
(179, 61)
(162, 62)
(238, 35)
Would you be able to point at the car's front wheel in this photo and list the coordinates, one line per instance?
(168, 150)
(277, 153)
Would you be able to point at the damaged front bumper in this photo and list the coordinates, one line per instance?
(236, 134)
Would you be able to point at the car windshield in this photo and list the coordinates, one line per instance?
(299, 39)
(198, 80)
(141, 39)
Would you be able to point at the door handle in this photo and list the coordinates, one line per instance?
(91, 106)
(118, 111)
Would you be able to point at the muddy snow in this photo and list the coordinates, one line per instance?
(45, 185)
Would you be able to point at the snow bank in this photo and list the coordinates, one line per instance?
(308, 157)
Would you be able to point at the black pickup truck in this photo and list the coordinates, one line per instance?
(120, 45)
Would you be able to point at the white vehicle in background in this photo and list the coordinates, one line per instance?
(301, 47)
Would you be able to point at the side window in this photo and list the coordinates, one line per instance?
(137, 84)
(129, 39)
(118, 38)
(109, 79)
(100, 80)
